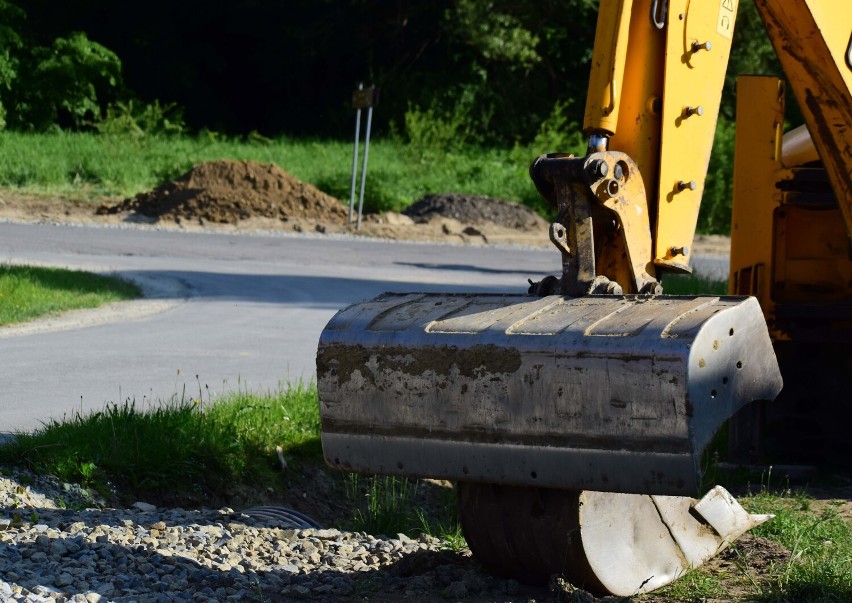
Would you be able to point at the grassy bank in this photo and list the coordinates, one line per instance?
(241, 450)
(186, 449)
(86, 165)
(28, 292)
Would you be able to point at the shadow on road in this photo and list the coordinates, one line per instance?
(305, 291)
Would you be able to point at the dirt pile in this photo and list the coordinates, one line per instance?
(226, 192)
(244, 195)
(474, 209)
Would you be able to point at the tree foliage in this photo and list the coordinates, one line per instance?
(67, 84)
(501, 66)
(290, 67)
(10, 45)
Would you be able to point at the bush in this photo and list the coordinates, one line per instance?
(138, 119)
(68, 84)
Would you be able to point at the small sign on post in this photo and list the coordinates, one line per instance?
(362, 98)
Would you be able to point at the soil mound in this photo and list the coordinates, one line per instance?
(226, 192)
(474, 209)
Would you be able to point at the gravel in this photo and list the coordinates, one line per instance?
(476, 209)
(89, 553)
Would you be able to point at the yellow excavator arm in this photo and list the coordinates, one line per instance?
(654, 94)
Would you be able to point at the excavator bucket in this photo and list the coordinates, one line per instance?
(613, 393)
(573, 426)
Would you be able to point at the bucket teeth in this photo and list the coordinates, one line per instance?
(666, 540)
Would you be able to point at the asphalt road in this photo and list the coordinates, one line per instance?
(228, 312)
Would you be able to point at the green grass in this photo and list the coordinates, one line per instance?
(88, 165)
(197, 451)
(820, 541)
(27, 292)
(187, 449)
(693, 285)
(696, 585)
(382, 504)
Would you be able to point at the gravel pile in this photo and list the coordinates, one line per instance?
(50, 553)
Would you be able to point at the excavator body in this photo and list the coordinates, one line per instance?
(574, 418)
(791, 235)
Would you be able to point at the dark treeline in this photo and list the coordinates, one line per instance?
(497, 67)
(290, 66)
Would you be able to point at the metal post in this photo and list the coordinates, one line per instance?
(364, 166)
(355, 157)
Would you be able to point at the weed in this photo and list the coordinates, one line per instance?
(450, 532)
(383, 504)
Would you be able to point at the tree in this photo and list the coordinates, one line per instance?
(10, 45)
(68, 84)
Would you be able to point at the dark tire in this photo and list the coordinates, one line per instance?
(525, 533)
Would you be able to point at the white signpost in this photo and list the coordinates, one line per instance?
(362, 98)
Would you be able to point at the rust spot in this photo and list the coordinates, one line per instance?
(341, 361)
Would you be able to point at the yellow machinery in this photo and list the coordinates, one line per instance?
(574, 418)
(791, 237)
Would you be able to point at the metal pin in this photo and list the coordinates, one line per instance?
(699, 111)
(683, 185)
(676, 251)
(597, 169)
(696, 46)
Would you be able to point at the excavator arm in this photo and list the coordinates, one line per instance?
(653, 100)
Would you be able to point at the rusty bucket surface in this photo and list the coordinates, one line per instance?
(607, 393)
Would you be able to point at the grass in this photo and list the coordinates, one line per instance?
(820, 541)
(89, 166)
(693, 285)
(28, 292)
(196, 451)
(390, 505)
(383, 504)
(185, 449)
